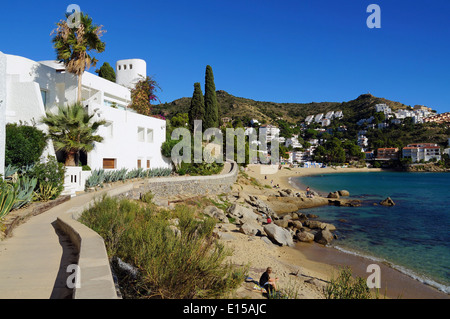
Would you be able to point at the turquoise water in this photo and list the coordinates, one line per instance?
(413, 236)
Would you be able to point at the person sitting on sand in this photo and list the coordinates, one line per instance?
(268, 283)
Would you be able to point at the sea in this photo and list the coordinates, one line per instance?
(413, 236)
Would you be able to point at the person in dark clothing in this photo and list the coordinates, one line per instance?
(266, 282)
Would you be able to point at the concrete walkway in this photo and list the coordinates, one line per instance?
(34, 260)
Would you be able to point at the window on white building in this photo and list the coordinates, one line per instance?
(119, 67)
(131, 66)
(149, 136)
(44, 97)
(124, 66)
(141, 134)
(109, 163)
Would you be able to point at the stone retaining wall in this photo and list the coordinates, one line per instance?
(96, 276)
(187, 185)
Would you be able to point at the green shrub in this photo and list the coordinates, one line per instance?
(24, 144)
(147, 197)
(347, 287)
(188, 263)
(201, 169)
(50, 178)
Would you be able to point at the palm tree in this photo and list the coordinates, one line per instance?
(72, 45)
(72, 130)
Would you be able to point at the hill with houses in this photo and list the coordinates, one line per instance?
(269, 112)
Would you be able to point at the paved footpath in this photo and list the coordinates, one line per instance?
(34, 260)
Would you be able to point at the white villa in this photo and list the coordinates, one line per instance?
(383, 108)
(28, 89)
(293, 141)
(269, 131)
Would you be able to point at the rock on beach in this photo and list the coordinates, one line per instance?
(279, 235)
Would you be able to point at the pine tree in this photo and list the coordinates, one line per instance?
(197, 109)
(211, 105)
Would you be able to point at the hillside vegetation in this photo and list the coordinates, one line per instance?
(268, 112)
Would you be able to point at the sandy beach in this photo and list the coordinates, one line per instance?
(307, 267)
(282, 177)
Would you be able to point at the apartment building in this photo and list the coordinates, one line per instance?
(423, 151)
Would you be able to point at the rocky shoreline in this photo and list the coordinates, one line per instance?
(277, 217)
(292, 229)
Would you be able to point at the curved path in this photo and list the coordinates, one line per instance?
(34, 260)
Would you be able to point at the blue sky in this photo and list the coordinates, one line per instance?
(267, 50)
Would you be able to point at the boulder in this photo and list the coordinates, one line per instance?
(387, 202)
(330, 227)
(313, 224)
(261, 207)
(286, 193)
(249, 229)
(239, 211)
(323, 237)
(305, 237)
(281, 222)
(216, 213)
(279, 235)
(282, 193)
(333, 195)
(296, 224)
(343, 193)
(312, 216)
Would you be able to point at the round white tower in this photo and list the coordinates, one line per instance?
(130, 71)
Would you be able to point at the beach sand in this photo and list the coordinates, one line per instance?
(296, 266)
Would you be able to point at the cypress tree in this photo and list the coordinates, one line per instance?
(197, 109)
(211, 105)
(106, 71)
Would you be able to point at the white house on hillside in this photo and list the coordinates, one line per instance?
(269, 131)
(131, 140)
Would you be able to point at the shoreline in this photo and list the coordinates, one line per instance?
(398, 283)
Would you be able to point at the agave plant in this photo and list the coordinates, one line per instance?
(10, 170)
(45, 192)
(97, 178)
(122, 174)
(7, 200)
(24, 189)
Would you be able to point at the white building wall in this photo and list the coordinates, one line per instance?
(129, 71)
(2, 111)
(26, 78)
(121, 141)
